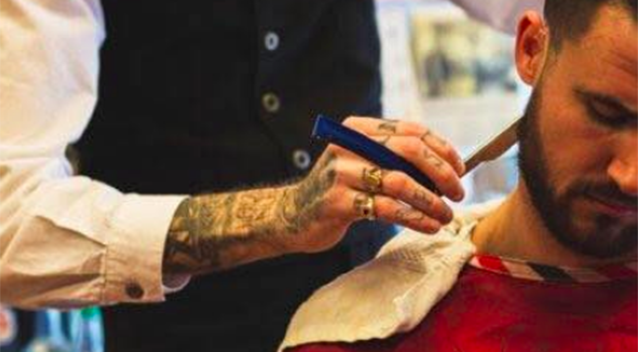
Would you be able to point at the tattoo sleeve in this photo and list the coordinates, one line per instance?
(219, 231)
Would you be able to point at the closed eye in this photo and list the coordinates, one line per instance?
(607, 110)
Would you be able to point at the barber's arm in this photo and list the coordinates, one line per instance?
(65, 240)
(69, 240)
(219, 231)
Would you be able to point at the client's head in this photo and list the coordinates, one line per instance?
(578, 139)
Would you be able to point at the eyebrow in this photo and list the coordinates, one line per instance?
(608, 100)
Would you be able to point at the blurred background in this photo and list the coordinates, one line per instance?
(456, 76)
(439, 67)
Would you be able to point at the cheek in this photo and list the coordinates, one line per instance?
(572, 148)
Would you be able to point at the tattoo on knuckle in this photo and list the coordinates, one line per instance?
(388, 127)
(432, 158)
(442, 142)
(430, 137)
(436, 161)
(425, 135)
(408, 214)
(423, 197)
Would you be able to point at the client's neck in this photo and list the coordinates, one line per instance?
(515, 230)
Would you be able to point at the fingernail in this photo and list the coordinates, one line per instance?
(434, 228)
(449, 215)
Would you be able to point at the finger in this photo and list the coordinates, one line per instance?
(445, 178)
(392, 211)
(438, 169)
(383, 127)
(403, 188)
(440, 146)
(443, 148)
(394, 184)
(374, 127)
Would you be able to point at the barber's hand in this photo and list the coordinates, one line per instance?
(343, 187)
(213, 232)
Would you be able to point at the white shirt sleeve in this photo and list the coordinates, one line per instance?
(65, 240)
(500, 14)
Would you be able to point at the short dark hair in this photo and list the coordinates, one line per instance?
(571, 19)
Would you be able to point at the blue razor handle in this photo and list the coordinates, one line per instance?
(335, 133)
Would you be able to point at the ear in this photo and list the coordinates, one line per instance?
(532, 46)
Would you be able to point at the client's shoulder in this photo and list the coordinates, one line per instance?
(391, 293)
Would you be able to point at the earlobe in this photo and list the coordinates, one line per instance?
(532, 44)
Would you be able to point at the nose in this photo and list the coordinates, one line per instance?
(624, 168)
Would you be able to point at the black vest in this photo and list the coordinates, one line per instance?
(209, 95)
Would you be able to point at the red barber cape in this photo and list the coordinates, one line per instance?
(500, 306)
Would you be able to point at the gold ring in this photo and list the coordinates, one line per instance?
(364, 204)
(373, 179)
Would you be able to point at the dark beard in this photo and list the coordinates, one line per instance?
(555, 211)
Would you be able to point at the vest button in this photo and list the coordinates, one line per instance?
(301, 159)
(271, 41)
(270, 102)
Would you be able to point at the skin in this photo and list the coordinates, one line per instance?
(584, 139)
(214, 232)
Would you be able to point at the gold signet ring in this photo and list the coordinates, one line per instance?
(373, 179)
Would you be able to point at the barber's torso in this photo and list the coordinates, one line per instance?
(207, 95)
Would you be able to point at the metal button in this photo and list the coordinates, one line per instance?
(134, 290)
(270, 102)
(301, 159)
(271, 41)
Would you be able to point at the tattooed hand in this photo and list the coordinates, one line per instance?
(219, 231)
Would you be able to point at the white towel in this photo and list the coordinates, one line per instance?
(393, 292)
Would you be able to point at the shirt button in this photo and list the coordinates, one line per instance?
(271, 41)
(134, 290)
(270, 102)
(301, 159)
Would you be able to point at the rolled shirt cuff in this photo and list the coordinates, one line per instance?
(136, 249)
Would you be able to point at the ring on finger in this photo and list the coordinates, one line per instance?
(373, 179)
(364, 205)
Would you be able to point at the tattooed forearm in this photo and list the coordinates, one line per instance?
(219, 231)
(214, 232)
